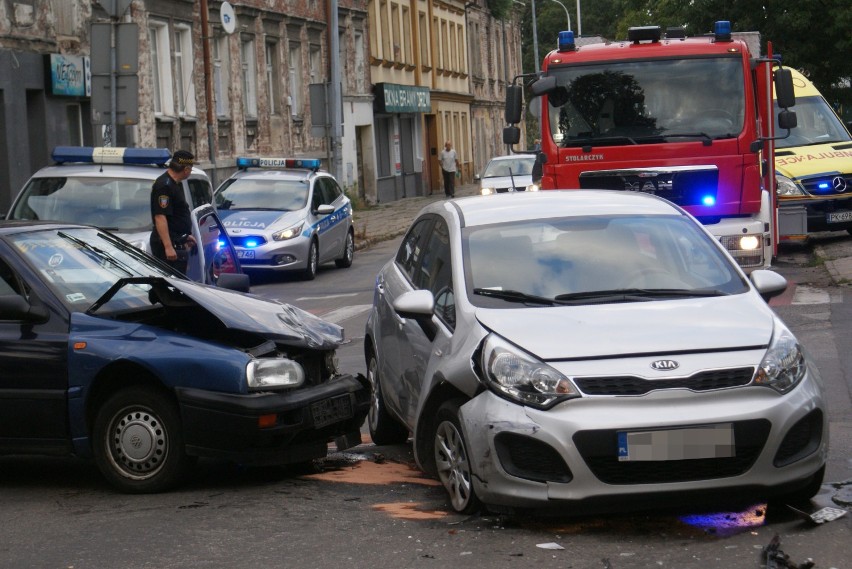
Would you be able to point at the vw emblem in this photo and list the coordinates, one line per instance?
(838, 184)
(664, 365)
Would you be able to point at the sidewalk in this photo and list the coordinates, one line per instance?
(385, 221)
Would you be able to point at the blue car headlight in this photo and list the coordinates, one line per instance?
(288, 233)
(519, 376)
(783, 366)
(269, 373)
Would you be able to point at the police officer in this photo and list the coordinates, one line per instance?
(172, 238)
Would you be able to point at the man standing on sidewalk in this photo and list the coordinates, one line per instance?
(449, 165)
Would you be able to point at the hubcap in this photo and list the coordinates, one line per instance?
(138, 443)
(453, 466)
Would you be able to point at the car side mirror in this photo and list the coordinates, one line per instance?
(324, 209)
(16, 307)
(768, 283)
(418, 305)
(239, 282)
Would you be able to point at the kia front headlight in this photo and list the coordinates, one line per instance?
(269, 373)
(288, 233)
(519, 376)
(783, 366)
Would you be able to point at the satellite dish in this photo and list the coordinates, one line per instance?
(229, 20)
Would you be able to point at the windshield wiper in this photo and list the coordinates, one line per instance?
(513, 296)
(627, 294)
(706, 138)
(104, 256)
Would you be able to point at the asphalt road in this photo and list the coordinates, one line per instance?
(370, 507)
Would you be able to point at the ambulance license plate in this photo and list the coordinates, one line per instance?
(839, 216)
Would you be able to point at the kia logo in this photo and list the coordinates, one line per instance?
(838, 184)
(664, 365)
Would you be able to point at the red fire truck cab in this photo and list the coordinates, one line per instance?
(688, 119)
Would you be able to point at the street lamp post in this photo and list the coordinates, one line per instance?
(567, 15)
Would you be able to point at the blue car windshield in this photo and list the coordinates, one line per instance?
(553, 259)
(80, 264)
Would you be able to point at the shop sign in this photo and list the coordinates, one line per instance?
(392, 98)
(70, 75)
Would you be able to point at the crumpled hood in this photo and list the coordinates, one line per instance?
(270, 319)
(243, 222)
(613, 330)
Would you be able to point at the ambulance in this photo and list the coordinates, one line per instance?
(813, 168)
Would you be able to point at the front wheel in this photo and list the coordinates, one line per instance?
(345, 261)
(138, 443)
(453, 461)
(310, 272)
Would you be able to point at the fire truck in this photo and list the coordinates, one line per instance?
(690, 119)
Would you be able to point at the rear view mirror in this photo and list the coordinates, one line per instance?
(787, 119)
(511, 135)
(514, 104)
(784, 93)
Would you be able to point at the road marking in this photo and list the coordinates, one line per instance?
(810, 295)
(342, 295)
(338, 315)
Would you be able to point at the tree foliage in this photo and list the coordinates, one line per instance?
(499, 8)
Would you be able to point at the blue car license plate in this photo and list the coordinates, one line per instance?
(332, 410)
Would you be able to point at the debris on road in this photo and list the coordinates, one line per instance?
(822, 515)
(550, 545)
(775, 558)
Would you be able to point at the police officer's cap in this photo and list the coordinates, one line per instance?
(183, 158)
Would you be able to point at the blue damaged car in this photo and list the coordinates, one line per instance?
(105, 353)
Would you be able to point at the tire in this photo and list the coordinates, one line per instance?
(310, 272)
(384, 429)
(801, 496)
(345, 261)
(452, 459)
(138, 441)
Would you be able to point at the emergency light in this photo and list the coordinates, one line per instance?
(110, 155)
(722, 30)
(244, 162)
(566, 41)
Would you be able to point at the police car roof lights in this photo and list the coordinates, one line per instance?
(244, 162)
(111, 155)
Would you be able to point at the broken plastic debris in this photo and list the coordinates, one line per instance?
(777, 559)
(822, 515)
(550, 545)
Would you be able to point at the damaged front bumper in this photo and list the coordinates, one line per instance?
(527, 458)
(274, 428)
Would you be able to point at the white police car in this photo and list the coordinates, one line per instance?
(285, 214)
(110, 188)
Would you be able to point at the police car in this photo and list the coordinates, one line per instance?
(284, 214)
(110, 188)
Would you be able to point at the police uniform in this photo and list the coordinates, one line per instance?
(167, 198)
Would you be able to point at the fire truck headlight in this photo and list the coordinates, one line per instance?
(749, 242)
(787, 187)
(486, 191)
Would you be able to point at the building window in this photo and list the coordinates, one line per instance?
(221, 75)
(359, 62)
(424, 41)
(385, 32)
(295, 76)
(161, 68)
(406, 36)
(396, 37)
(183, 70)
(316, 64)
(272, 80)
(460, 49)
(249, 79)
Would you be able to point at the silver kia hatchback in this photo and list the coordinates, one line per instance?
(588, 350)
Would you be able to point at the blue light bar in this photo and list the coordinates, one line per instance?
(251, 243)
(566, 41)
(824, 185)
(110, 155)
(722, 30)
(244, 162)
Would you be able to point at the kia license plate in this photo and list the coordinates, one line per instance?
(243, 254)
(711, 441)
